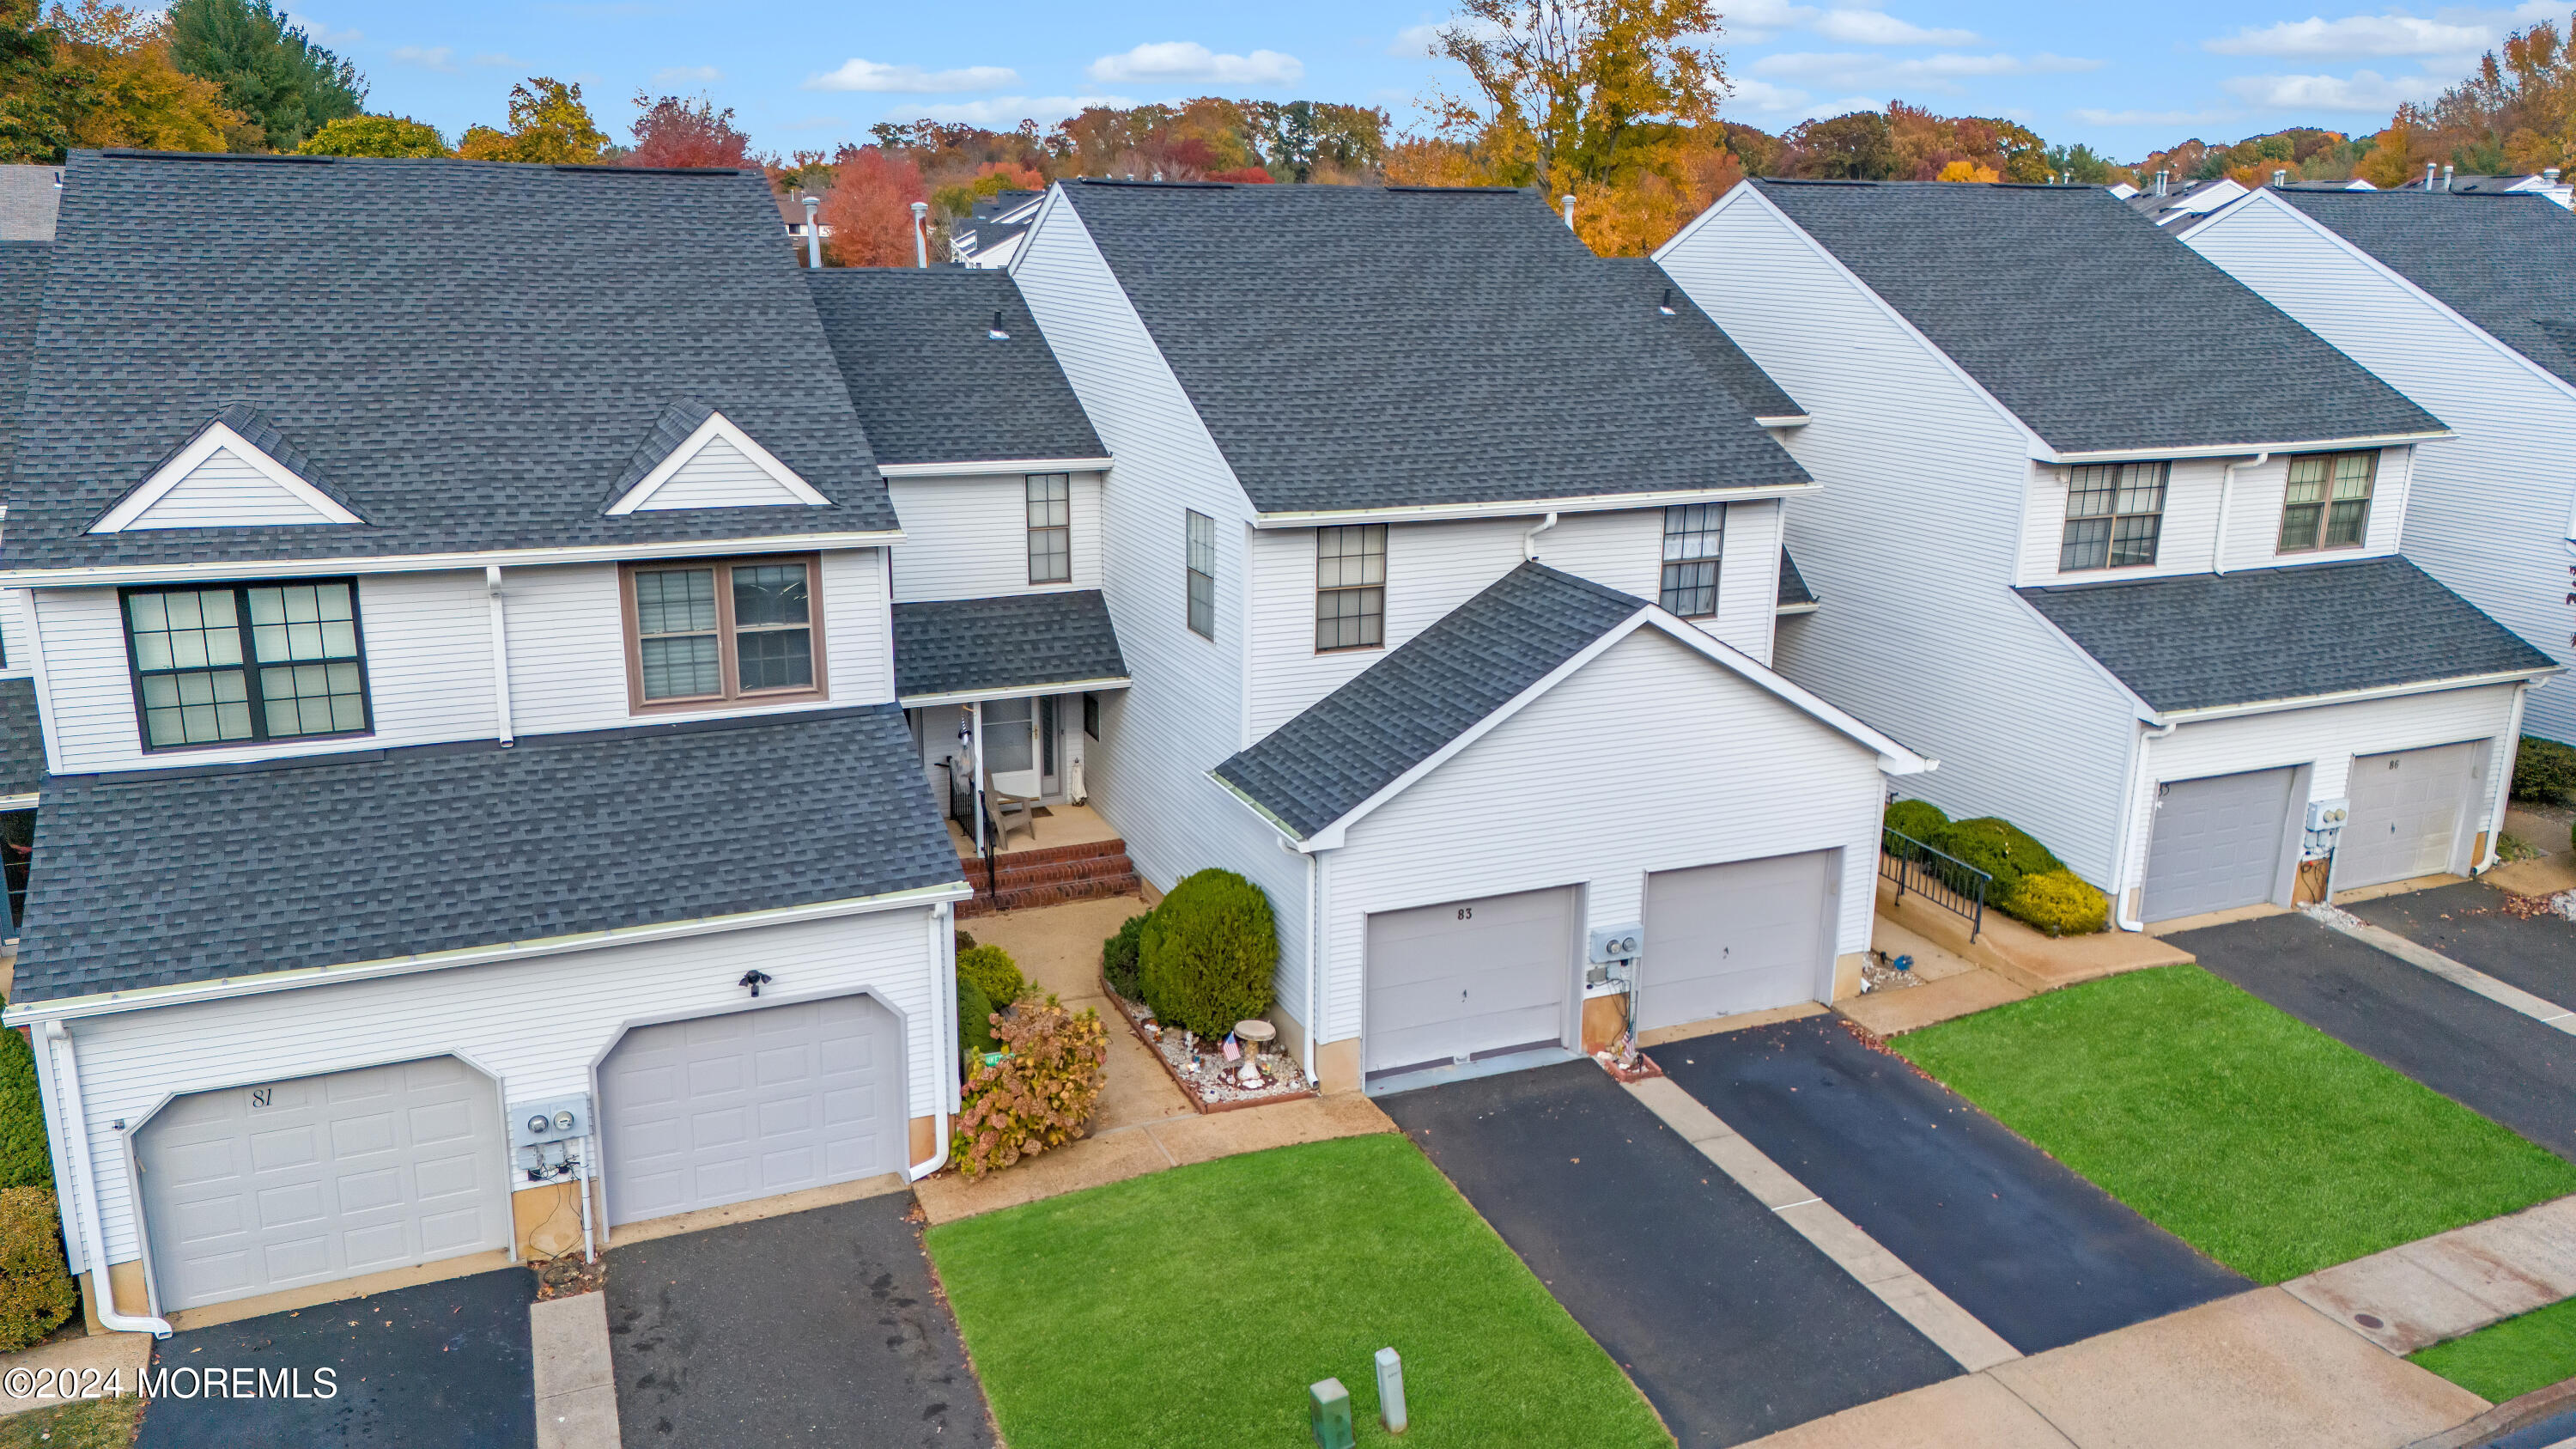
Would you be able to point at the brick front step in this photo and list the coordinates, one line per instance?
(1026, 897)
(1051, 876)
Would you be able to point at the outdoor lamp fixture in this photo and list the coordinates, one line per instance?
(755, 979)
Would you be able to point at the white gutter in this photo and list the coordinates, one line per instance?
(58, 1044)
(943, 957)
(1014, 691)
(1314, 961)
(2352, 696)
(2504, 791)
(1521, 507)
(1785, 420)
(18, 802)
(2226, 497)
(2221, 450)
(1529, 540)
(94, 575)
(2126, 920)
(967, 468)
(224, 988)
(500, 655)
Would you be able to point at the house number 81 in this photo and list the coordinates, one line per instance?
(259, 1096)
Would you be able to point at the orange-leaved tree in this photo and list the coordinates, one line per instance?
(867, 215)
(674, 131)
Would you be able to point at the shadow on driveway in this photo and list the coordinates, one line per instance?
(2467, 923)
(1732, 1324)
(2014, 1236)
(818, 1327)
(440, 1366)
(2492, 1059)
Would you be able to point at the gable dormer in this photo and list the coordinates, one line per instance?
(698, 458)
(238, 471)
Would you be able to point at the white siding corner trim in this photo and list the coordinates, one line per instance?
(221, 481)
(718, 466)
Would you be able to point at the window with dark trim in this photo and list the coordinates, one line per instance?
(1350, 587)
(1202, 573)
(242, 663)
(713, 631)
(2328, 502)
(1091, 715)
(1050, 528)
(2114, 514)
(1694, 537)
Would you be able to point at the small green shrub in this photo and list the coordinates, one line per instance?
(992, 968)
(35, 1287)
(1118, 957)
(1042, 1095)
(965, 940)
(25, 1161)
(1206, 955)
(2544, 771)
(974, 1017)
(2060, 903)
(1920, 819)
(1997, 847)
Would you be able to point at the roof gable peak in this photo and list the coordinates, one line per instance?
(236, 471)
(699, 458)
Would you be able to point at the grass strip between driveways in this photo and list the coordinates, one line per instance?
(2245, 1132)
(83, 1424)
(1193, 1307)
(2508, 1360)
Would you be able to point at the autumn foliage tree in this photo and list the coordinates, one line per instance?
(100, 74)
(548, 124)
(867, 215)
(673, 131)
(2515, 113)
(375, 136)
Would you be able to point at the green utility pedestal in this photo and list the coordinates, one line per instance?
(1329, 1405)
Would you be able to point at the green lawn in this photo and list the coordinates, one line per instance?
(2508, 1360)
(86, 1424)
(2254, 1137)
(1194, 1306)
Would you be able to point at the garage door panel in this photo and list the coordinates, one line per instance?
(1739, 936)
(2216, 843)
(1466, 978)
(2407, 809)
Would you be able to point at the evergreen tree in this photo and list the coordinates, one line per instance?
(269, 68)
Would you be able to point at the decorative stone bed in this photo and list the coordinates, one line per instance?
(1201, 1072)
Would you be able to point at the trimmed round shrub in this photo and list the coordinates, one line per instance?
(992, 968)
(2544, 771)
(1920, 819)
(35, 1288)
(25, 1161)
(1997, 847)
(2060, 903)
(1118, 957)
(974, 1017)
(1206, 955)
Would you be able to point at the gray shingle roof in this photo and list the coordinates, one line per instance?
(471, 352)
(1008, 642)
(1355, 741)
(22, 282)
(929, 380)
(29, 197)
(22, 739)
(1707, 343)
(983, 233)
(1375, 347)
(2038, 291)
(2198, 641)
(1793, 584)
(157, 877)
(2500, 259)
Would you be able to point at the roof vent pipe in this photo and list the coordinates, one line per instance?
(1666, 306)
(2549, 174)
(920, 235)
(813, 232)
(2428, 175)
(2162, 182)
(997, 331)
(1569, 213)
(2280, 178)
(2446, 178)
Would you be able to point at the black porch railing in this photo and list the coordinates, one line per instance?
(961, 808)
(1945, 881)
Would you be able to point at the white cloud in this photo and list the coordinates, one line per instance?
(856, 74)
(1982, 65)
(1809, 62)
(683, 74)
(2093, 116)
(1788, 105)
(1872, 27)
(1939, 72)
(434, 57)
(322, 33)
(2356, 36)
(496, 58)
(1415, 41)
(1002, 111)
(1187, 60)
(2363, 90)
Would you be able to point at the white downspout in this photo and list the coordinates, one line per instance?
(975, 715)
(943, 994)
(1314, 967)
(2504, 787)
(2129, 921)
(500, 655)
(1529, 540)
(58, 1044)
(2226, 497)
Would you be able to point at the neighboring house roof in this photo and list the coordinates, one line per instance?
(2180, 204)
(1725, 363)
(473, 357)
(22, 739)
(1794, 593)
(29, 197)
(333, 860)
(1354, 347)
(930, 381)
(22, 282)
(1014, 643)
(2202, 641)
(2499, 259)
(1003, 203)
(978, 235)
(2037, 292)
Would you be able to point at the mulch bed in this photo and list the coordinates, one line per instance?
(566, 1276)
(1211, 1090)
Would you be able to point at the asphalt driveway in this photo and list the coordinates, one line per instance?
(2467, 923)
(440, 1366)
(2490, 1058)
(2041, 1255)
(819, 1327)
(1731, 1323)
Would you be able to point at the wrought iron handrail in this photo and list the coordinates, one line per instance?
(1944, 880)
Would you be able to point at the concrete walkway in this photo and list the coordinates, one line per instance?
(2421, 1293)
(576, 1387)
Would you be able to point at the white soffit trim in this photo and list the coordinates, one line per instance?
(1527, 507)
(93, 575)
(968, 468)
(2232, 450)
(2355, 696)
(1015, 691)
(217, 438)
(1785, 610)
(716, 426)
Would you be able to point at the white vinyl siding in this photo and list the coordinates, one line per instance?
(1522, 807)
(1920, 634)
(720, 475)
(2191, 519)
(967, 538)
(226, 491)
(537, 1025)
(16, 659)
(2486, 512)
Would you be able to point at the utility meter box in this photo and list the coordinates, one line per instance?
(1617, 943)
(2328, 814)
(554, 1119)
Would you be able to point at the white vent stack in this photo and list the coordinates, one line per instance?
(813, 232)
(2163, 182)
(920, 234)
(1569, 213)
(2446, 178)
(2429, 169)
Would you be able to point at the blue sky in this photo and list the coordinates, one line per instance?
(808, 74)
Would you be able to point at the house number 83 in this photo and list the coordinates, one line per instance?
(1466, 913)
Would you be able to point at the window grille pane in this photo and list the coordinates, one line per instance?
(1690, 589)
(1202, 544)
(2086, 545)
(2307, 480)
(1202, 617)
(1351, 556)
(1050, 555)
(2346, 521)
(1350, 618)
(681, 666)
(2299, 526)
(1694, 531)
(775, 659)
(2133, 540)
(186, 630)
(675, 601)
(768, 594)
(2352, 475)
(2089, 492)
(196, 709)
(1050, 498)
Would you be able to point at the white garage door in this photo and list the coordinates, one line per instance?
(2407, 809)
(1736, 937)
(254, 1189)
(2216, 843)
(749, 1104)
(1468, 979)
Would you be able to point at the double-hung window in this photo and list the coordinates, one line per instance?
(2114, 513)
(1201, 566)
(1350, 587)
(1694, 537)
(242, 663)
(715, 631)
(2328, 504)
(1050, 498)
